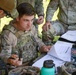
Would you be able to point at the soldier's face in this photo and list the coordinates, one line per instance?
(25, 22)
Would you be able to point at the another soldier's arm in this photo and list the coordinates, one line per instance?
(52, 7)
(39, 11)
(39, 7)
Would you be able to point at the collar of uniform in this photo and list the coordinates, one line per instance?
(27, 31)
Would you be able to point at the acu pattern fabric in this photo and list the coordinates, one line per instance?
(25, 70)
(67, 11)
(37, 4)
(66, 17)
(19, 40)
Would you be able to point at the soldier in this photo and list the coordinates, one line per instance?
(19, 38)
(38, 6)
(7, 8)
(66, 19)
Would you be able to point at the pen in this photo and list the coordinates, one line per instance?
(67, 50)
(20, 54)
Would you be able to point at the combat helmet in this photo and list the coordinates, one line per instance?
(9, 7)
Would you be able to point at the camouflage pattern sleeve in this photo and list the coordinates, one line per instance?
(39, 7)
(52, 7)
(0, 25)
(8, 42)
(38, 40)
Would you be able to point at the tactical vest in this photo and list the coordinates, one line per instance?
(25, 42)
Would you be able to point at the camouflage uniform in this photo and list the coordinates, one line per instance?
(0, 25)
(25, 70)
(66, 17)
(38, 6)
(13, 40)
(67, 69)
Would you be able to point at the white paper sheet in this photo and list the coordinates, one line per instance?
(61, 51)
(70, 35)
(40, 62)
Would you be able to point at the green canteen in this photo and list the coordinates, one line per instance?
(48, 68)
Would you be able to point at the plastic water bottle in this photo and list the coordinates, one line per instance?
(48, 68)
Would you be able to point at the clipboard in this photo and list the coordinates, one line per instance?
(65, 40)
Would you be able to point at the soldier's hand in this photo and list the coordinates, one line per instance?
(45, 48)
(40, 20)
(19, 62)
(46, 26)
(14, 60)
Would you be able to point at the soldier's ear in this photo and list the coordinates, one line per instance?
(17, 18)
(2, 14)
(1, 11)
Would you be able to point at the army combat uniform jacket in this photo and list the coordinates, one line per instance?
(13, 41)
(67, 11)
(66, 16)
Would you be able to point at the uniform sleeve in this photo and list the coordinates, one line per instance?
(39, 7)
(51, 8)
(38, 40)
(8, 41)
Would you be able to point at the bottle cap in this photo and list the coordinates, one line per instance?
(48, 64)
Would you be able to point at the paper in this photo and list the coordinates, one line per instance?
(70, 35)
(59, 53)
(61, 50)
(40, 62)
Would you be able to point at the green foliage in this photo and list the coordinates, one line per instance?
(56, 38)
(4, 21)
